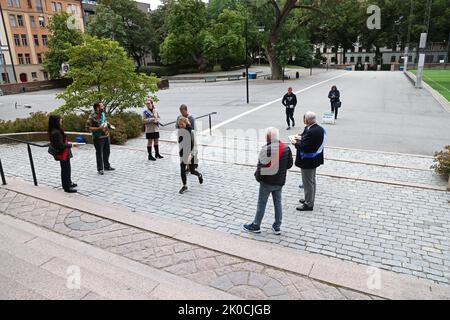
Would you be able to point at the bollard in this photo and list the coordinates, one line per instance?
(33, 172)
(2, 174)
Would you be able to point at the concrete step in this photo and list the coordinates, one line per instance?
(12, 290)
(42, 254)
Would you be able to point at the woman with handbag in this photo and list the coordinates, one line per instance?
(334, 96)
(151, 123)
(60, 148)
(188, 152)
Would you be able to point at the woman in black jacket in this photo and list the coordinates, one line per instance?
(59, 141)
(188, 152)
(334, 96)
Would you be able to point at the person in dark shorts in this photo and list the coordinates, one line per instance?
(188, 152)
(289, 102)
(151, 122)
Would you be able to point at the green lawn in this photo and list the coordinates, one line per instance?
(439, 80)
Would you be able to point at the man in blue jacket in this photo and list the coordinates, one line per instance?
(309, 157)
(274, 160)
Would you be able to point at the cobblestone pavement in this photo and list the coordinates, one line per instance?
(403, 229)
(390, 167)
(234, 275)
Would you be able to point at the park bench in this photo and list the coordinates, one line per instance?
(234, 77)
(210, 79)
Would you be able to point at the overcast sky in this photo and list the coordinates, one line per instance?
(154, 3)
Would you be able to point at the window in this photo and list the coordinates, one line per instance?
(36, 39)
(39, 6)
(59, 6)
(71, 8)
(5, 78)
(12, 20)
(29, 4)
(367, 59)
(45, 75)
(34, 75)
(17, 3)
(44, 40)
(39, 57)
(333, 59)
(17, 40)
(27, 58)
(53, 6)
(393, 58)
(345, 60)
(359, 59)
(20, 58)
(440, 58)
(32, 22)
(2, 59)
(352, 59)
(20, 20)
(9, 3)
(429, 59)
(42, 22)
(24, 40)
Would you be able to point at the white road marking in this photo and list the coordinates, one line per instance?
(267, 104)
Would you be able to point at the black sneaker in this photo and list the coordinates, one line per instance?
(200, 178)
(251, 228)
(71, 190)
(101, 172)
(276, 230)
(110, 169)
(183, 190)
(73, 185)
(304, 207)
(288, 128)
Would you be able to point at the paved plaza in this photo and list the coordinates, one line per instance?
(378, 203)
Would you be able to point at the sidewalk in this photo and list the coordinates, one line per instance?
(43, 234)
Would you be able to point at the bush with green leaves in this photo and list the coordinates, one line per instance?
(128, 124)
(442, 162)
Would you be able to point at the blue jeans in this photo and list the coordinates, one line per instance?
(264, 191)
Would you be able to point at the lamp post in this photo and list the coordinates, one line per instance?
(246, 54)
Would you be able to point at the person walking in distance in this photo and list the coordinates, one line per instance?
(274, 160)
(61, 151)
(310, 148)
(334, 96)
(99, 126)
(188, 152)
(289, 102)
(151, 122)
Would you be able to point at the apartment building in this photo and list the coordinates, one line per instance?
(24, 35)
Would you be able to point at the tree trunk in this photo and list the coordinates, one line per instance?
(275, 66)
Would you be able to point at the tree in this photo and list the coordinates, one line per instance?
(102, 71)
(121, 20)
(62, 36)
(158, 24)
(224, 39)
(186, 24)
(281, 13)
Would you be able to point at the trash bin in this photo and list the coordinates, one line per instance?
(402, 68)
(297, 75)
(252, 75)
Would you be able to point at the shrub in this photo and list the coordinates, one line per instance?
(442, 162)
(37, 122)
(75, 122)
(131, 122)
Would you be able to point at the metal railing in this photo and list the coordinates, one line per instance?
(203, 116)
(30, 156)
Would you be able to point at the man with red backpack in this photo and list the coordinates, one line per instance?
(274, 160)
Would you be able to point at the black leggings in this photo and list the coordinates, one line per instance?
(290, 116)
(334, 110)
(185, 168)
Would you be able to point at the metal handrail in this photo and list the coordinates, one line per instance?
(30, 156)
(203, 116)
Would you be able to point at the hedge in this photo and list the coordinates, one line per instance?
(128, 125)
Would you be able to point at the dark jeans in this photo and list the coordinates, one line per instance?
(265, 190)
(191, 169)
(290, 116)
(66, 172)
(102, 151)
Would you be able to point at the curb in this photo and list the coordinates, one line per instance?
(325, 269)
(436, 95)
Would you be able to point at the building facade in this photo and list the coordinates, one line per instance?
(25, 31)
